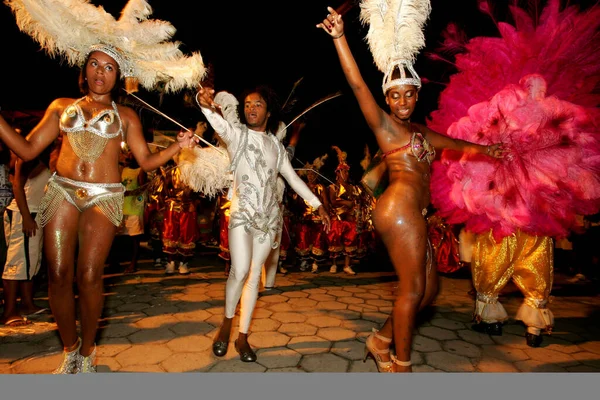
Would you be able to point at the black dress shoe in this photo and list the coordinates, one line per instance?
(246, 355)
(533, 340)
(220, 348)
(493, 329)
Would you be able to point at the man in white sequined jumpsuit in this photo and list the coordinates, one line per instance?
(257, 158)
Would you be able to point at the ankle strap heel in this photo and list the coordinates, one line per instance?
(401, 363)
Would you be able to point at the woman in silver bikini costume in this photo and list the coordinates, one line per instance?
(409, 149)
(84, 199)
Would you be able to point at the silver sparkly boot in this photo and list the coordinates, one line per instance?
(85, 365)
(69, 360)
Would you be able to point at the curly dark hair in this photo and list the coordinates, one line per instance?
(273, 105)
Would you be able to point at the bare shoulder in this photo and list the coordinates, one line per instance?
(58, 105)
(127, 113)
(424, 130)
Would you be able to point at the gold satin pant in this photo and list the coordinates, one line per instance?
(524, 258)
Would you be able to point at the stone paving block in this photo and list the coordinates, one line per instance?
(189, 362)
(315, 290)
(351, 349)
(355, 289)
(506, 353)
(291, 294)
(366, 296)
(297, 329)
(107, 364)
(194, 297)
(587, 358)
(16, 351)
(272, 299)
(287, 370)
(278, 357)
(192, 316)
(537, 366)
(161, 310)
(336, 334)
(133, 307)
(359, 366)
(350, 300)
(462, 348)
(471, 336)
(490, 364)
(339, 292)
(437, 333)
(550, 356)
(215, 294)
(377, 317)
(425, 344)
(447, 323)
(363, 308)
(344, 314)
(267, 339)
(262, 313)
(322, 297)
(449, 362)
(288, 317)
(380, 303)
(237, 366)
(110, 347)
(324, 363)
(40, 363)
(551, 342)
(510, 340)
(156, 321)
(309, 344)
(592, 346)
(284, 307)
(324, 321)
(514, 329)
(299, 303)
(117, 330)
(148, 369)
(152, 336)
(143, 354)
(264, 325)
(424, 368)
(331, 305)
(192, 343)
(360, 325)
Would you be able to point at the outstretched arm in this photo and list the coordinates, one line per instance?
(334, 26)
(440, 141)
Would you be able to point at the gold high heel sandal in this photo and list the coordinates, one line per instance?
(370, 349)
(401, 363)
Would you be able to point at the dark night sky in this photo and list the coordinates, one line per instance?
(275, 42)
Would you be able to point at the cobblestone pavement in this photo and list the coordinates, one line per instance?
(309, 323)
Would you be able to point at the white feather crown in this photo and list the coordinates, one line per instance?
(141, 46)
(395, 37)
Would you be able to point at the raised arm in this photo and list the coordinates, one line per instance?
(39, 138)
(334, 26)
(148, 160)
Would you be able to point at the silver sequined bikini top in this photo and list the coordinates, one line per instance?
(106, 124)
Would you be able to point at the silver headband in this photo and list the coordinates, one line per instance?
(402, 77)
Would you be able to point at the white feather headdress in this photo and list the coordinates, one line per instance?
(395, 37)
(73, 28)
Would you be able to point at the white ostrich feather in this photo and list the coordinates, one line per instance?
(68, 28)
(205, 170)
(395, 29)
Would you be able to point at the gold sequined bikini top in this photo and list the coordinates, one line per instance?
(89, 137)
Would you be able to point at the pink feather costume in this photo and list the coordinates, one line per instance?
(534, 89)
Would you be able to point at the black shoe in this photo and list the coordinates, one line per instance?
(220, 348)
(533, 340)
(493, 329)
(246, 355)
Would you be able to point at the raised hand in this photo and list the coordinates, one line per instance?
(333, 24)
(186, 139)
(205, 98)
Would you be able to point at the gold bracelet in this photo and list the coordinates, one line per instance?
(338, 36)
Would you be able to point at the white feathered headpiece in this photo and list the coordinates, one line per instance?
(141, 46)
(395, 37)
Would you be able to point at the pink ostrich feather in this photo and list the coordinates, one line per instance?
(535, 89)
